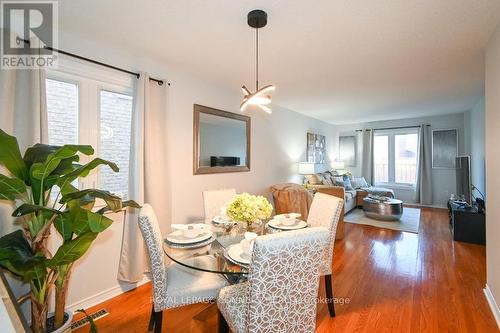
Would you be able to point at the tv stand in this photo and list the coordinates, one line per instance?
(467, 224)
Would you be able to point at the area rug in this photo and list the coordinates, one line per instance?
(409, 222)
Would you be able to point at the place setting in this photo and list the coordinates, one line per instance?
(290, 221)
(190, 236)
(222, 220)
(241, 253)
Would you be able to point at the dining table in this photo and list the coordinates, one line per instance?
(212, 256)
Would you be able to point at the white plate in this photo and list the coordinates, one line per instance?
(235, 253)
(276, 224)
(177, 237)
(221, 220)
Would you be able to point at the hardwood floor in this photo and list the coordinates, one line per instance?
(390, 281)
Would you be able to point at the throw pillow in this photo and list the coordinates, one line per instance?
(363, 182)
(313, 180)
(356, 183)
(347, 183)
(327, 180)
(338, 181)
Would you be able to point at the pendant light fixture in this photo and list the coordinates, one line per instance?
(257, 19)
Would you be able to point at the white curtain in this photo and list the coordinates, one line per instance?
(147, 173)
(367, 155)
(23, 113)
(423, 193)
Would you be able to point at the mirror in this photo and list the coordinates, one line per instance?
(221, 141)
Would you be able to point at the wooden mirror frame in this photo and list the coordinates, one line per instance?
(201, 170)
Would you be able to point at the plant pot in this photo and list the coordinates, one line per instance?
(66, 327)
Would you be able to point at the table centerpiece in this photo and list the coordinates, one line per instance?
(249, 209)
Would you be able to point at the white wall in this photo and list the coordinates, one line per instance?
(492, 117)
(476, 125)
(443, 180)
(278, 144)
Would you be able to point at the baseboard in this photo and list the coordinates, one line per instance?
(493, 304)
(424, 206)
(106, 294)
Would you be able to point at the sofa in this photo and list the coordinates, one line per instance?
(353, 194)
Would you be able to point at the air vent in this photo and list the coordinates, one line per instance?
(85, 321)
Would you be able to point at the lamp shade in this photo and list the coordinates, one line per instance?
(338, 165)
(307, 168)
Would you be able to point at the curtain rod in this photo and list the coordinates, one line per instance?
(388, 128)
(160, 82)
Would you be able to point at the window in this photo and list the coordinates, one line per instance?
(88, 106)
(116, 120)
(395, 156)
(62, 106)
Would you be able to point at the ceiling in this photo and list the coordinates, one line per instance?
(340, 61)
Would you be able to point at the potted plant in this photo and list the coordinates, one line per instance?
(249, 209)
(28, 183)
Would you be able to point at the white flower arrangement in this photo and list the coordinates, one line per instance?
(249, 208)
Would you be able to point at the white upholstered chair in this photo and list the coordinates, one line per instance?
(281, 292)
(325, 212)
(173, 285)
(214, 200)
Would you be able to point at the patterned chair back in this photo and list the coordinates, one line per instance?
(325, 212)
(214, 200)
(284, 280)
(150, 229)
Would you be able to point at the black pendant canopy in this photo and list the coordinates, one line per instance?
(257, 19)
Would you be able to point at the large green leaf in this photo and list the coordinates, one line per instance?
(10, 156)
(127, 203)
(72, 250)
(17, 257)
(38, 153)
(41, 170)
(84, 170)
(79, 221)
(97, 222)
(84, 221)
(112, 201)
(10, 188)
(26, 209)
(64, 226)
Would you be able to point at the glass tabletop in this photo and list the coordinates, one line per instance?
(212, 257)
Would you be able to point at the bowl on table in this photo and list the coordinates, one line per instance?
(287, 219)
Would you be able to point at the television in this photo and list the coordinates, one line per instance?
(224, 161)
(464, 186)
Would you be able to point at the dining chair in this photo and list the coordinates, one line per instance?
(215, 199)
(173, 285)
(282, 287)
(325, 212)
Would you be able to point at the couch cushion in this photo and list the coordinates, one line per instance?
(350, 195)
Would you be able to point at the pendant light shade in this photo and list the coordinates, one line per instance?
(261, 97)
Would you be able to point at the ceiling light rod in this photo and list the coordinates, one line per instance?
(257, 19)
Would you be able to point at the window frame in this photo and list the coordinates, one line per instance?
(90, 81)
(391, 134)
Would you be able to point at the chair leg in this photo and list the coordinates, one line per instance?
(152, 319)
(158, 321)
(329, 294)
(223, 326)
